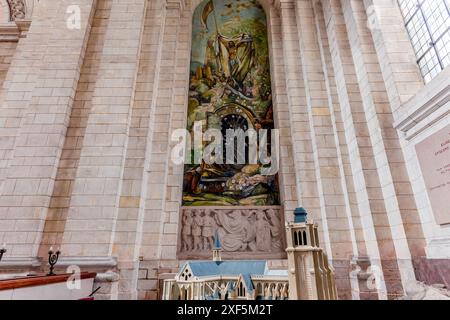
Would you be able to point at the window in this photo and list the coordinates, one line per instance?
(428, 25)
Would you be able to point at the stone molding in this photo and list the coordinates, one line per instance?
(20, 262)
(89, 262)
(430, 105)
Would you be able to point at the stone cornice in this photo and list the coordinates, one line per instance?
(92, 262)
(20, 262)
(14, 30)
(429, 106)
(9, 32)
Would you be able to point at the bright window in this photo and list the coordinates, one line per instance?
(428, 25)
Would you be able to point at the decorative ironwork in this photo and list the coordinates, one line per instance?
(53, 260)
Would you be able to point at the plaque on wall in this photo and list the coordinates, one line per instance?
(434, 159)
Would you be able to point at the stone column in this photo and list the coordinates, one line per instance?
(328, 164)
(92, 218)
(395, 52)
(39, 94)
(289, 191)
(128, 234)
(403, 216)
(368, 183)
(161, 187)
(303, 159)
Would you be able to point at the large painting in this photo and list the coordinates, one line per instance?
(230, 88)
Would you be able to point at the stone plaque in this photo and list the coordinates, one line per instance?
(244, 232)
(434, 159)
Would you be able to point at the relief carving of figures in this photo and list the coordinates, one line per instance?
(187, 231)
(263, 236)
(232, 230)
(208, 230)
(275, 228)
(197, 225)
(255, 230)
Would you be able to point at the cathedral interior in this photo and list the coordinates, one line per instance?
(340, 107)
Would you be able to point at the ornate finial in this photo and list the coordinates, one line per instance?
(300, 215)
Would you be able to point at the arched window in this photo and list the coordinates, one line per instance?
(428, 25)
(229, 89)
(241, 290)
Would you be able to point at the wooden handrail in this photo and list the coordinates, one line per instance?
(40, 280)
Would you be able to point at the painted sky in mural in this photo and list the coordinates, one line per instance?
(230, 88)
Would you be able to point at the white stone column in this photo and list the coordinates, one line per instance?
(395, 52)
(399, 200)
(160, 217)
(289, 191)
(42, 87)
(337, 124)
(91, 220)
(376, 225)
(327, 164)
(303, 159)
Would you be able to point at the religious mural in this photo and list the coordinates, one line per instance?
(230, 88)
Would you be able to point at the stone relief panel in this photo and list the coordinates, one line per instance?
(255, 232)
(17, 9)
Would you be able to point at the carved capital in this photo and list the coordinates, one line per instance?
(17, 9)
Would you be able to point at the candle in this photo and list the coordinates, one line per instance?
(51, 249)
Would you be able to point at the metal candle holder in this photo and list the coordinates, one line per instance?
(52, 260)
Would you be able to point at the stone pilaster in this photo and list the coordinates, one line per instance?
(289, 191)
(92, 216)
(393, 47)
(39, 94)
(380, 246)
(334, 205)
(400, 204)
(162, 183)
(303, 158)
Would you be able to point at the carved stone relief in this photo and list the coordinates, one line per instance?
(243, 231)
(17, 9)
